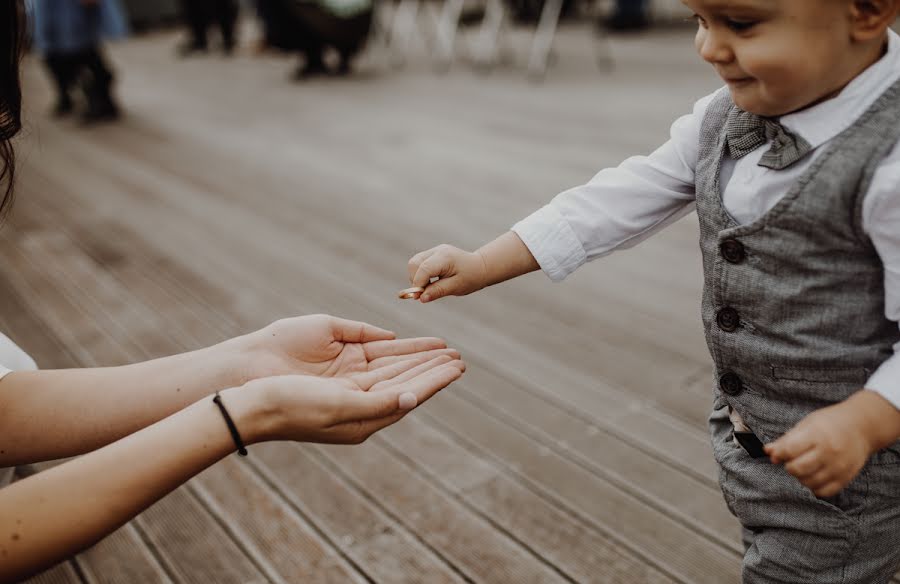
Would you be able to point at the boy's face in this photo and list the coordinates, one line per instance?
(776, 56)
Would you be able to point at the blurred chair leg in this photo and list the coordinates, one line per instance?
(543, 38)
(603, 51)
(486, 47)
(403, 29)
(447, 28)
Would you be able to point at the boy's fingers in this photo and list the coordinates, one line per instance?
(383, 361)
(806, 464)
(411, 373)
(789, 446)
(818, 479)
(406, 347)
(414, 262)
(436, 265)
(437, 290)
(829, 490)
(351, 331)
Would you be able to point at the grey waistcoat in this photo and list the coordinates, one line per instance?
(793, 303)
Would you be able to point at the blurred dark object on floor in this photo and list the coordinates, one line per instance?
(529, 11)
(629, 16)
(69, 35)
(200, 16)
(311, 28)
(146, 14)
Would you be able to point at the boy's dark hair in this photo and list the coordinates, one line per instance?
(12, 38)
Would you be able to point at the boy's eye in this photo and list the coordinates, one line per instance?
(700, 20)
(740, 25)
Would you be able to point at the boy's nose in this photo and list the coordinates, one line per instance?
(712, 48)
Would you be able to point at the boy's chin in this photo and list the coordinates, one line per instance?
(751, 103)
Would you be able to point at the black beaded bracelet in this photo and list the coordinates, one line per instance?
(242, 450)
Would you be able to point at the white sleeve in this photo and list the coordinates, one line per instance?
(619, 207)
(4, 372)
(881, 217)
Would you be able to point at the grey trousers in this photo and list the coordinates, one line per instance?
(794, 537)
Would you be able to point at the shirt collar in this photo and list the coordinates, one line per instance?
(822, 122)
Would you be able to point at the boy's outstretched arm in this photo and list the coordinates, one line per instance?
(827, 449)
(461, 272)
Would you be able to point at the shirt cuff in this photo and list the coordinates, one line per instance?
(4, 372)
(552, 242)
(886, 380)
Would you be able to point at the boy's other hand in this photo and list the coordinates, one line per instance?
(459, 272)
(828, 448)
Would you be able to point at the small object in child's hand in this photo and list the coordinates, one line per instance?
(410, 293)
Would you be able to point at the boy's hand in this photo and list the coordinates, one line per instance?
(827, 449)
(459, 272)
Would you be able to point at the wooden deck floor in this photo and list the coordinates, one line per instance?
(574, 450)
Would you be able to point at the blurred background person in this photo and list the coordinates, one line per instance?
(312, 27)
(68, 33)
(200, 15)
(629, 15)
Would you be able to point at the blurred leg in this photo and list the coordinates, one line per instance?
(226, 12)
(98, 87)
(60, 68)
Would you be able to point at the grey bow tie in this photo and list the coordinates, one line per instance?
(747, 132)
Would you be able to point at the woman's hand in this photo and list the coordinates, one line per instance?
(343, 410)
(328, 346)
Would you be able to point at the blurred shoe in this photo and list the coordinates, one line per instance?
(311, 69)
(626, 22)
(101, 111)
(63, 107)
(185, 50)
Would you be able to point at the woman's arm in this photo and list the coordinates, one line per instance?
(54, 514)
(46, 415)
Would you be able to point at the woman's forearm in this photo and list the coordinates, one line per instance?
(47, 415)
(54, 514)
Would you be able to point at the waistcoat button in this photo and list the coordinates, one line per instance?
(733, 251)
(731, 383)
(728, 319)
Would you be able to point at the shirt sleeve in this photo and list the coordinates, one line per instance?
(881, 216)
(620, 206)
(4, 372)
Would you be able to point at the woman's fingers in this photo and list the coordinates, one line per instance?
(425, 385)
(382, 374)
(401, 398)
(414, 371)
(384, 361)
(392, 348)
(351, 331)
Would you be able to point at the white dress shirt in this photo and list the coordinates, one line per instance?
(622, 206)
(12, 358)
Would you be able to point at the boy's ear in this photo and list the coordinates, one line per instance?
(871, 18)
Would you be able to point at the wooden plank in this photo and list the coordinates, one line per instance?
(588, 555)
(63, 573)
(122, 558)
(376, 543)
(683, 553)
(468, 540)
(189, 543)
(279, 539)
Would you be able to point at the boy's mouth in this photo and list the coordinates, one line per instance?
(737, 80)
